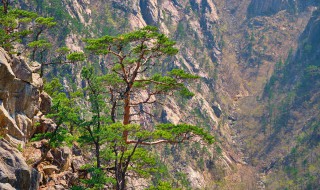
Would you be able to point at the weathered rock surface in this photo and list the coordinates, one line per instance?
(77, 162)
(45, 103)
(21, 69)
(21, 107)
(50, 169)
(149, 11)
(20, 98)
(62, 157)
(14, 172)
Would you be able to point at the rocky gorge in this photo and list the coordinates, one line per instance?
(249, 54)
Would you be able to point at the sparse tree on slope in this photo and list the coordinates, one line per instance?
(131, 58)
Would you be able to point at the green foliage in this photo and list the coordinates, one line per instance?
(53, 88)
(43, 44)
(98, 179)
(181, 31)
(163, 185)
(162, 44)
(185, 92)
(219, 149)
(76, 56)
(172, 132)
(183, 179)
(63, 112)
(293, 107)
(181, 74)
(29, 29)
(58, 138)
(313, 71)
(19, 147)
(45, 22)
(14, 26)
(63, 50)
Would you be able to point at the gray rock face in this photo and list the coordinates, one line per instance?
(20, 99)
(21, 69)
(21, 107)
(46, 102)
(149, 11)
(14, 172)
(77, 162)
(62, 157)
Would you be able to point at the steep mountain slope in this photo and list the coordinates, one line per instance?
(275, 44)
(293, 102)
(249, 55)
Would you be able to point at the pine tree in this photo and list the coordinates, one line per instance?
(107, 124)
(131, 58)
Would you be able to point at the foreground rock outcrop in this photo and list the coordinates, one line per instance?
(21, 105)
(14, 172)
(21, 99)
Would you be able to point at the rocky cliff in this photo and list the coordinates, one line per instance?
(14, 172)
(20, 109)
(23, 105)
(22, 101)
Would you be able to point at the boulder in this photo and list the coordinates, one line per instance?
(21, 69)
(46, 103)
(59, 187)
(37, 81)
(35, 67)
(50, 169)
(46, 125)
(77, 162)
(6, 72)
(31, 153)
(25, 125)
(14, 170)
(8, 125)
(62, 157)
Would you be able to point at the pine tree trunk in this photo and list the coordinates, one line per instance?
(5, 6)
(126, 117)
(98, 155)
(121, 181)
